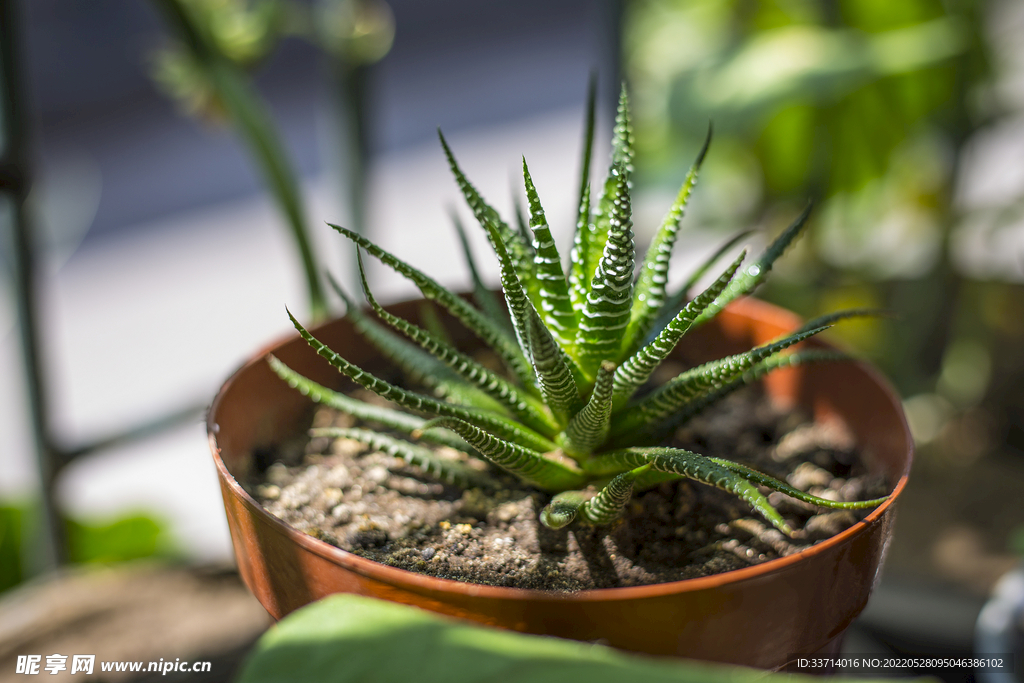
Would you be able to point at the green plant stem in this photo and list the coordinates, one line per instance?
(255, 126)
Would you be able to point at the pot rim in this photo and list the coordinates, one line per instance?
(748, 307)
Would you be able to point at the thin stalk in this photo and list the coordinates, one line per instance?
(255, 126)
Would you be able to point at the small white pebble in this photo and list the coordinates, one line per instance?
(269, 491)
(808, 474)
(277, 474)
(331, 496)
(377, 474)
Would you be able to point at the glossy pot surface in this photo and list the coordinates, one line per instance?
(759, 616)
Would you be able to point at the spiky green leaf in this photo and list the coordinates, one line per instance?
(649, 293)
(635, 371)
(562, 509)
(673, 396)
(555, 306)
(554, 370)
(490, 331)
(701, 403)
(524, 462)
(556, 374)
(526, 408)
(839, 316)
(621, 168)
(361, 410)
(607, 505)
(589, 427)
(762, 479)
(518, 247)
(498, 425)
(579, 273)
(579, 282)
(606, 311)
(695, 467)
(516, 299)
(418, 365)
(757, 272)
(446, 470)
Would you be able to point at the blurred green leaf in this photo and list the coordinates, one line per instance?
(352, 638)
(864, 106)
(126, 538)
(821, 64)
(121, 539)
(1016, 541)
(11, 520)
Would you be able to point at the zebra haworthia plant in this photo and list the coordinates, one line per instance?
(574, 415)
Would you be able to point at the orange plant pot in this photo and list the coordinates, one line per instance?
(759, 616)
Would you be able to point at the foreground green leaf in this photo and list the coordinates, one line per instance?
(353, 639)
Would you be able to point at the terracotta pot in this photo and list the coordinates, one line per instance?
(758, 616)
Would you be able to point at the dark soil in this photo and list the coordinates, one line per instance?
(377, 506)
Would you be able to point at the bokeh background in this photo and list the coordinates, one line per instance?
(175, 151)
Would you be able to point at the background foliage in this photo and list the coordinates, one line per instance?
(891, 117)
(869, 108)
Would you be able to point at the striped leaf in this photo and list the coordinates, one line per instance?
(762, 479)
(607, 505)
(562, 509)
(649, 293)
(516, 299)
(521, 223)
(839, 316)
(635, 371)
(554, 370)
(517, 246)
(482, 294)
(527, 409)
(418, 365)
(621, 167)
(427, 460)
(675, 302)
(555, 306)
(589, 427)
(606, 311)
(757, 272)
(490, 331)
(700, 404)
(673, 396)
(579, 281)
(556, 374)
(695, 467)
(391, 419)
(579, 273)
(494, 423)
(526, 463)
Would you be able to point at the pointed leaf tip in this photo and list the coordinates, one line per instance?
(704, 148)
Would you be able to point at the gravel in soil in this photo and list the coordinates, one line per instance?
(374, 505)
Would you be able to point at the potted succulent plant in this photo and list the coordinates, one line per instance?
(572, 411)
